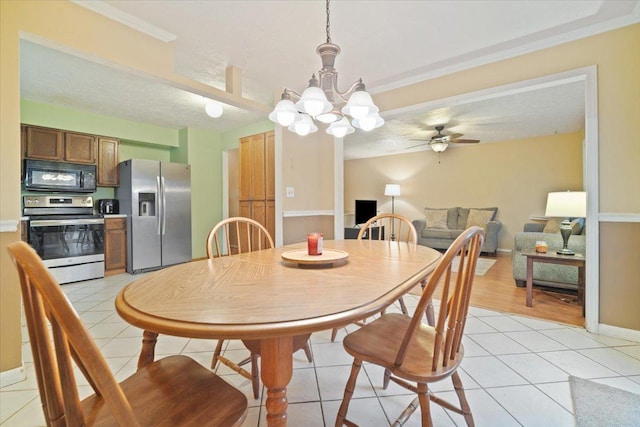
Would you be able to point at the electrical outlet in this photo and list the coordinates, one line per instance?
(290, 192)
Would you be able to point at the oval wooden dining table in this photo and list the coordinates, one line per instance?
(259, 295)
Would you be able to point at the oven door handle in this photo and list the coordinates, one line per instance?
(55, 222)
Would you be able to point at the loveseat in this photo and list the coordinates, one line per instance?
(440, 227)
(546, 274)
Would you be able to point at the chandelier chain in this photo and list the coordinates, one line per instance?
(328, 25)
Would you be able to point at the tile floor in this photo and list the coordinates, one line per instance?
(515, 369)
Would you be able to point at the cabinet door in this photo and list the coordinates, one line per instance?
(108, 162)
(269, 166)
(79, 148)
(245, 169)
(271, 218)
(245, 211)
(258, 182)
(115, 246)
(259, 213)
(43, 144)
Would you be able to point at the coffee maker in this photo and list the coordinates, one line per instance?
(108, 206)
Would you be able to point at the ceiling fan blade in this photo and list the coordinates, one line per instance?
(465, 141)
(414, 146)
(454, 136)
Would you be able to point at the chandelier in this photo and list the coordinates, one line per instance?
(322, 101)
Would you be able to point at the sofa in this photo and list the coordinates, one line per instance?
(440, 226)
(561, 277)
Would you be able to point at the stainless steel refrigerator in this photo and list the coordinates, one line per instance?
(156, 197)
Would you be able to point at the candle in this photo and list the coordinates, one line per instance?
(541, 246)
(314, 243)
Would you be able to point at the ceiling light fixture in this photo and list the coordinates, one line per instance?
(438, 146)
(213, 108)
(322, 101)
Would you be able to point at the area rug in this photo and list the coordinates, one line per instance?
(482, 266)
(596, 404)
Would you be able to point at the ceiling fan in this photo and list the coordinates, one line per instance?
(440, 142)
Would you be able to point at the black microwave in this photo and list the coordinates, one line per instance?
(42, 175)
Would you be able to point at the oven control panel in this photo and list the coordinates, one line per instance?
(58, 201)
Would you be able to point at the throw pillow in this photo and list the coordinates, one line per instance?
(437, 218)
(479, 217)
(577, 225)
(553, 225)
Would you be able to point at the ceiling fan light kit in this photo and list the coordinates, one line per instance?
(322, 100)
(438, 146)
(440, 142)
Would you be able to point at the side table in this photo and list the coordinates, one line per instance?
(577, 260)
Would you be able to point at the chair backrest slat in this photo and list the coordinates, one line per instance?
(455, 296)
(249, 235)
(396, 227)
(43, 297)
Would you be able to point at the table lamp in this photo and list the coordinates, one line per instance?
(392, 190)
(567, 205)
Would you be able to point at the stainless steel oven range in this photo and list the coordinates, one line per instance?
(67, 235)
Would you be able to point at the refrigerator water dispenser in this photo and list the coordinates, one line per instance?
(146, 204)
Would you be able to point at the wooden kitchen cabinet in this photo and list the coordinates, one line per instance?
(257, 179)
(79, 148)
(108, 162)
(269, 165)
(115, 246)
(252, 167)
(43, 144)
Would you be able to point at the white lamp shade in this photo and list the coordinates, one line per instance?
(213, 109)
(370, 122)
(303, 126)
(330, 117)
(438, 146)
(392, 190)
(360, 105)
(313, 102)
(284, 113)
(567, 204)
(340, 128)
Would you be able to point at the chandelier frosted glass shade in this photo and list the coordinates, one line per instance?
(285, 113)
(369, 122)
(360, 105)
(303, 125)
(313, 101)
(340, 128)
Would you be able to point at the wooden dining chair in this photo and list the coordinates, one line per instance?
(387, 227)
(415, 353)
(238, 235)
(172, 391)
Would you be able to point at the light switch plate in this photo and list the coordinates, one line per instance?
(290, 192)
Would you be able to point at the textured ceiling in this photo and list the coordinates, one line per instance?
(387, 43)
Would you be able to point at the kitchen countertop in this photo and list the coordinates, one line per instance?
(107, 216)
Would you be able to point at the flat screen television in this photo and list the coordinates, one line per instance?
(365, 210)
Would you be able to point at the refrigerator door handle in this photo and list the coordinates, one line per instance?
(164, 208)
(159, 213)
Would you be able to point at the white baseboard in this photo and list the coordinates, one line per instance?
(618, 332)
(12, 376)
(506, 251)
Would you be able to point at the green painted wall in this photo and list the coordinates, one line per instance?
(35, 113)
(202, 149)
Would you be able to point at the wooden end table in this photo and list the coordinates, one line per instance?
(577, 260)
